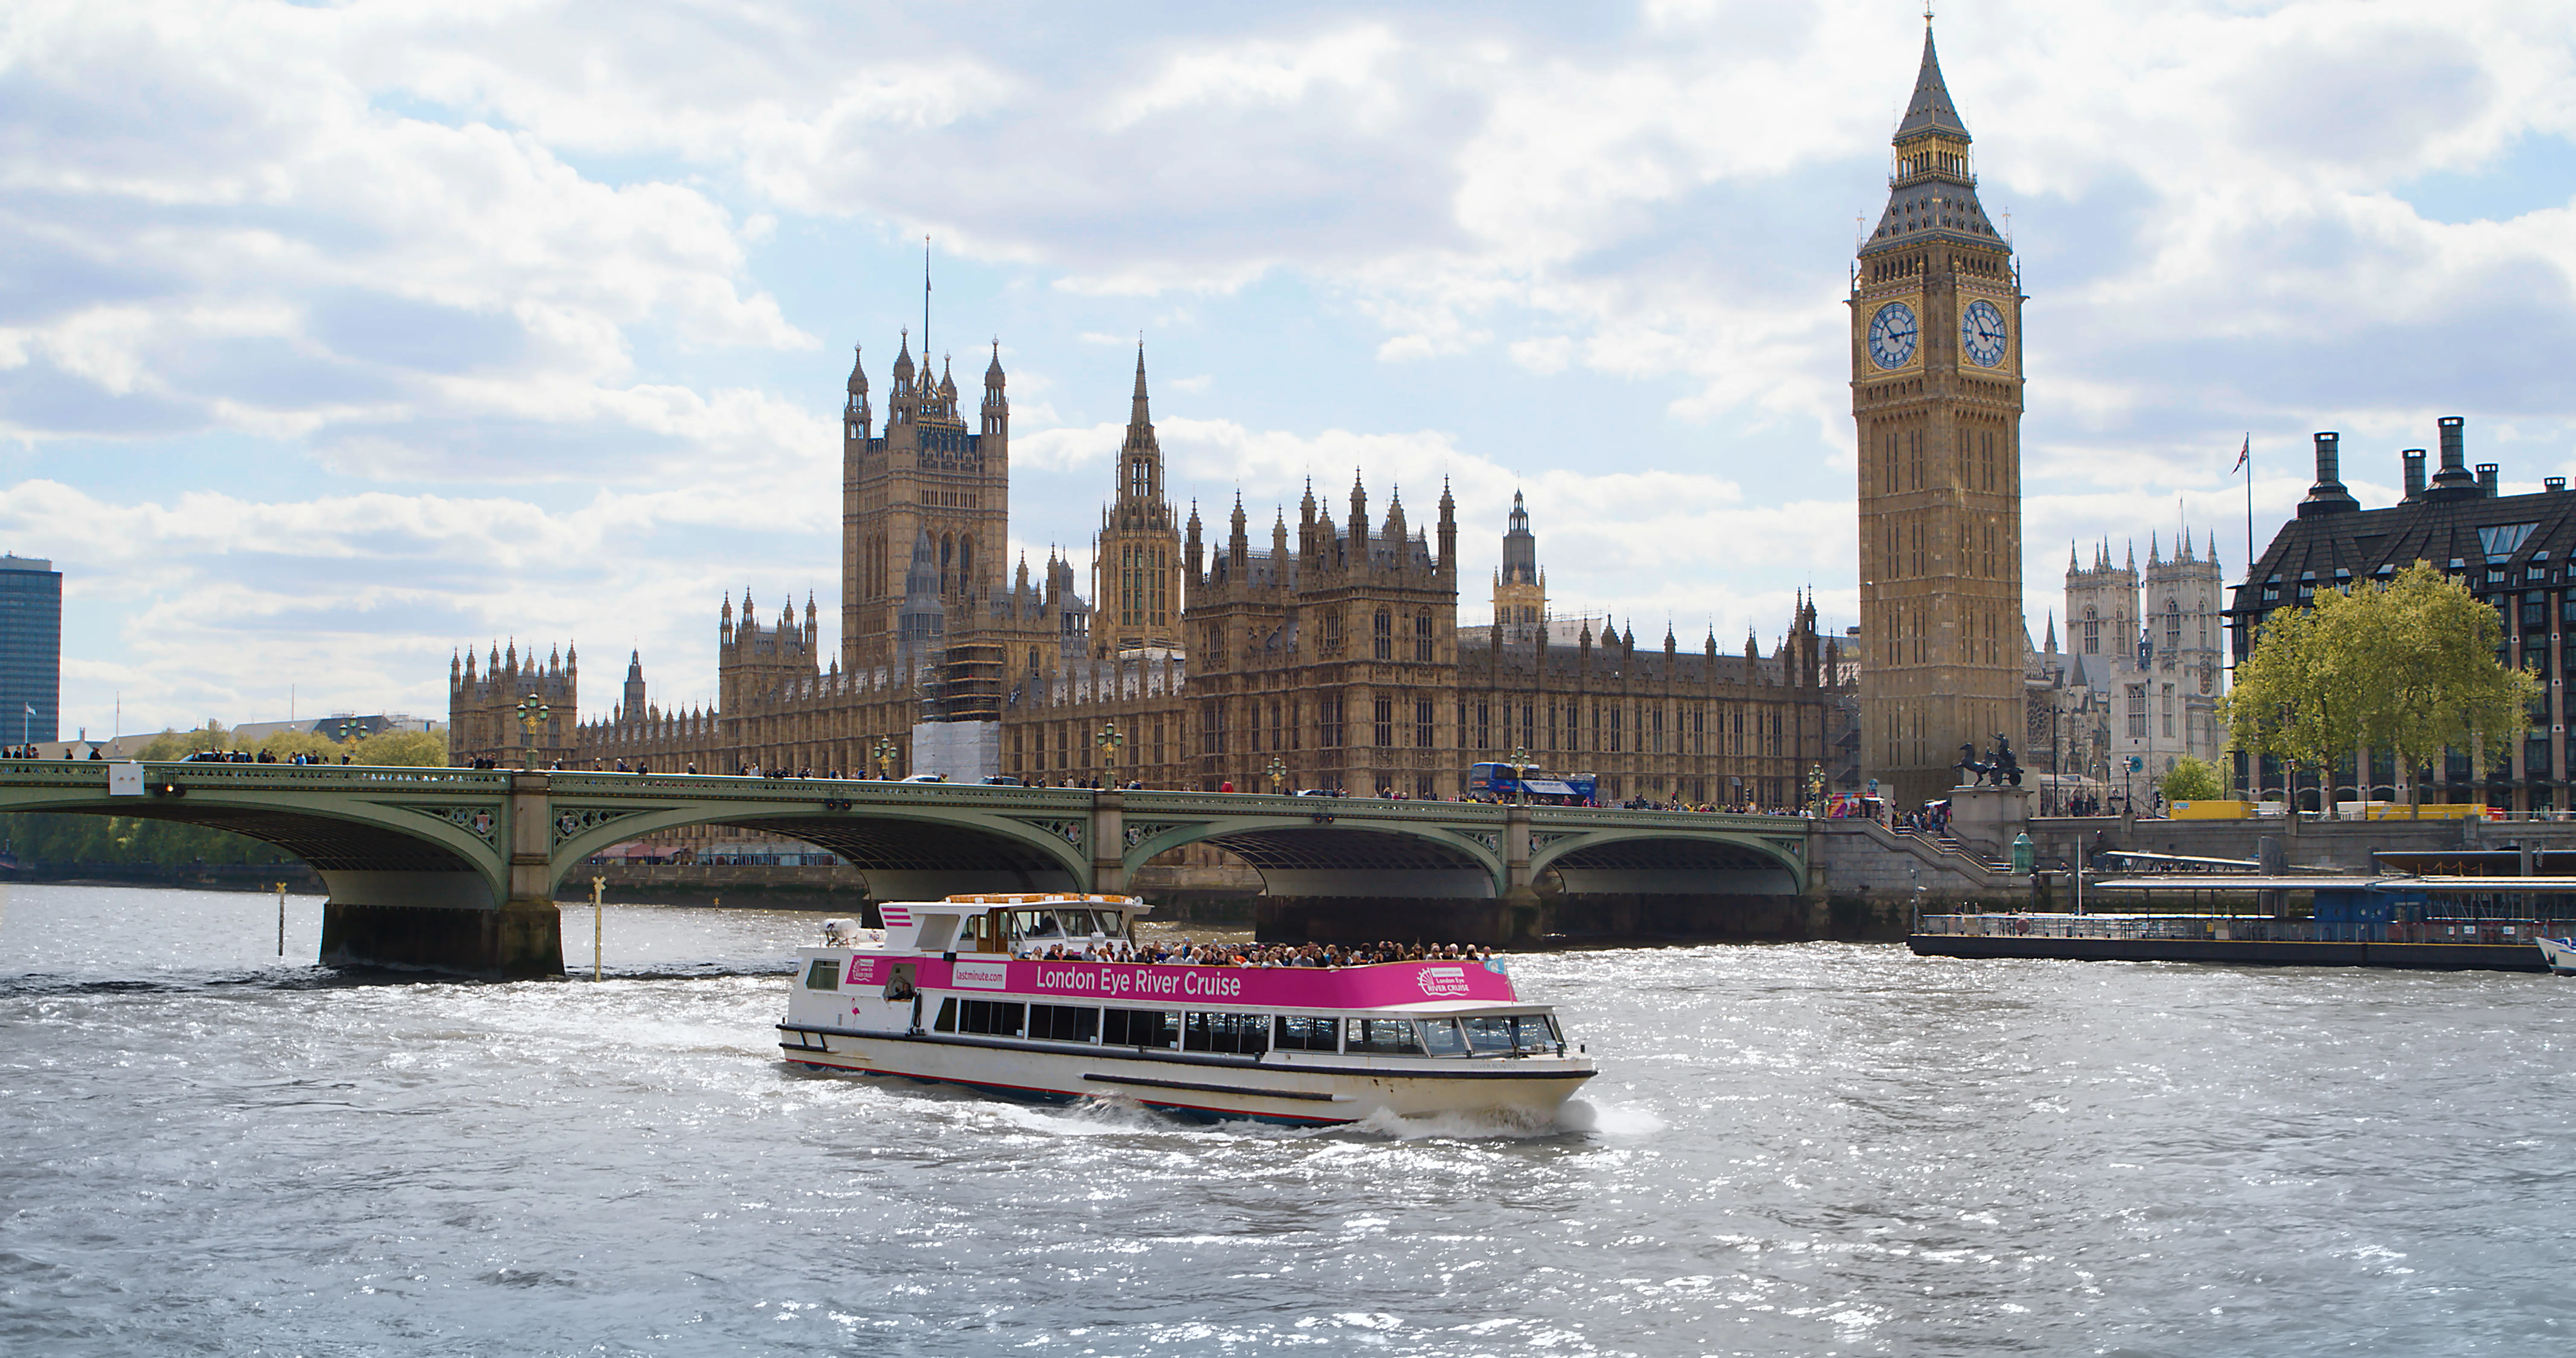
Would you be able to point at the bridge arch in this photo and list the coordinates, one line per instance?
(904, 852)
(1669, 860)
(1312, 854)
(363, 848)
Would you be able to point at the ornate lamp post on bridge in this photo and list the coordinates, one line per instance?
(348, 735)
(1109, 740)
(1278, 774)
(1520, 774)
(884, 753)
(1816, 789)
(532, 714)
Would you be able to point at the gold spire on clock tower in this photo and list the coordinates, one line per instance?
(1936, 395)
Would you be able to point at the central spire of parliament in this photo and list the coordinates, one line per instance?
(1936, 311)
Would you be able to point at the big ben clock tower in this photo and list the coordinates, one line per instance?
(1936, 391)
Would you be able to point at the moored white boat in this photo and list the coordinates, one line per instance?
(961, 991)
(2560, 953)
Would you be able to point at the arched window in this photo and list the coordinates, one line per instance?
(1422, 638)
(947, 553)
(1384, 632)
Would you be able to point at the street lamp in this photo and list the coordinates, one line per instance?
(1109, 740)
(1278, 773)
(1816, 789)
(884, 753)
(532, 714)
(348, 734)
(1520, 774)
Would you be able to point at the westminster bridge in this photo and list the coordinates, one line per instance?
(456, 869)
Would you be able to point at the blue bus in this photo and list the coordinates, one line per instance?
(1501, 783)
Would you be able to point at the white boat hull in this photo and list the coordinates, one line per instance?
(1292, 1087)
(2560, 953)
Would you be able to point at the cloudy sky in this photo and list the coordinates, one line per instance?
(333, 338)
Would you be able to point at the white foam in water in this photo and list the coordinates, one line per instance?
(1578, 1115)
(1484, 1124)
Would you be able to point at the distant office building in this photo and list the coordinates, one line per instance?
(31, 649)
(2516, 553)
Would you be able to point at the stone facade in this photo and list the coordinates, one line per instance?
(1937, 397)
(2142, 672)
(483, 706)
(1330, 659)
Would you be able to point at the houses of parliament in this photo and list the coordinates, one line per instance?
(1327, 651)
(1324, 651)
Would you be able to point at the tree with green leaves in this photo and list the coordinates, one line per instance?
(414, 749)
(2296, 697)
(2191, 779)
(2430, 652)
(181, 744)
(2407, 666)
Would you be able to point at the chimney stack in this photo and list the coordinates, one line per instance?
(2328, 495)
(2488, 474)
(2453, 481)
(2414, 473)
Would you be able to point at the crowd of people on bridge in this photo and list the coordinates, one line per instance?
(1187, 953)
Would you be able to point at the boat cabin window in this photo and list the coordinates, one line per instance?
(1059, 924)
(1303, 1033)
(1380, 1037)
(998, 1018)
(1489, 1035)
(1140, 1028)
(1064, 1022)
(825, 974)
(1442, 1037)
(1246, 1034)
(1535, 1033)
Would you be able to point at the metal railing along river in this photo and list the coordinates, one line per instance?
(2244, 928)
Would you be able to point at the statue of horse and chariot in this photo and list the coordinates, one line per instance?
(1998, 769)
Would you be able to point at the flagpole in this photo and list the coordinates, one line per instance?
(2249, 507)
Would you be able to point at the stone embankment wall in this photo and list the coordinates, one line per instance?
(1865, 881)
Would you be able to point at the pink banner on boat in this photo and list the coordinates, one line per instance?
(1259, 987)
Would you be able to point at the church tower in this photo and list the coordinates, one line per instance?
(1520, 587)
(928, 475)
(1136, 561)
(1937, 395)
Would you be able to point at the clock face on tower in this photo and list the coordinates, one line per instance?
(1891, 335)
(1981, 333)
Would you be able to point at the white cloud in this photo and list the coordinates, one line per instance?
(543, 283)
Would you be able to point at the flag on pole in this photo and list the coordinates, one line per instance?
(2242, 454)
(31, 709)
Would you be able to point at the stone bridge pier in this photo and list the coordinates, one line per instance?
(454, 921)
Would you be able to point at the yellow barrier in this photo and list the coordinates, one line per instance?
(2211, 810)
(2429, 811)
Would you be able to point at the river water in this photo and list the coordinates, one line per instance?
(1805, 1149)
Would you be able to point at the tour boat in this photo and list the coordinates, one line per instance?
(962, 991)
(2559, 953)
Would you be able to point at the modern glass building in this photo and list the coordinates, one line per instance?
(31, 649)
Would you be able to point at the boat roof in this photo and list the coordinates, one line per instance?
(1132, 904)
(2226, 881)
